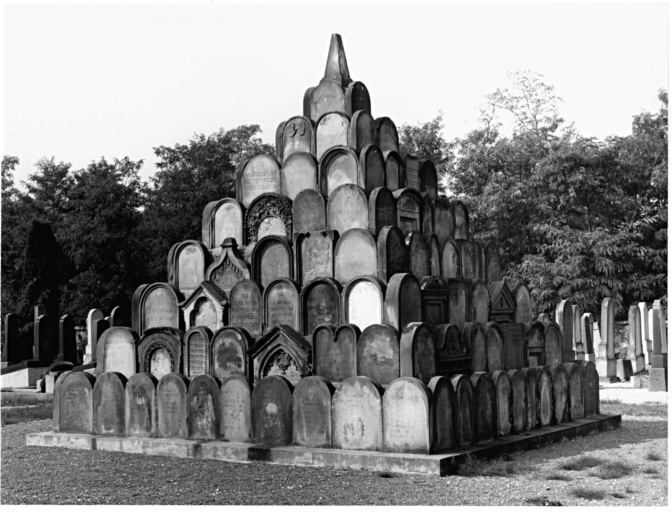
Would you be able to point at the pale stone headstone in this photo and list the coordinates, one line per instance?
(521, 295)
(140, 405)
(403, 301)
(224, 273)
(320, 304)
(465, 411)
(363, 302)
(530, 376)
(378, 353)
(117, 352)
(357, 415)
(309, 212)
(203, 408)
(328, 96)
(281, 304)
(222, 219)
(331, 131)
(387, 137)
(335, 351)
(246, 307)
(230, 353)
(272, 411)
(75, 403)
(434, 255)
(658, 370)
(187, 262)
(575, 391)
(260, 175)
(392, 253)
(606, 360)
(235, 410)
(355, 255)
(417, 353)
(485, 398)
(450, 260)
(579, 345)
(299, 172)
(155, 305)
(109, 404)
(519, 403)
(504, 402)
(312, 412)
(494, 347)
(545, 397)
(407, 417)
(296, 137)
(646, 336)
(171, 410)
(339, 166)
(444, 410)
(560, 393)
(56, 416)
(347, 208)
(91, 335)
(271, 260)
(587, 322)
(635, 346)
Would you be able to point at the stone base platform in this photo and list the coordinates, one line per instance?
(437, 464)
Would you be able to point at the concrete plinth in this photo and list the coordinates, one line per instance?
(23, 378)
(438, 464)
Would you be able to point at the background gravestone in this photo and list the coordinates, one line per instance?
(117, 352)
(355, 255)
(514, 341)
(235, 409)
(56, 416)
(75, 403)
(314, 255)
(407, 417)
(309, 212)
(357, 415)
(320, 304)
(120, 316)
(230, 348)
(428, 179)
(587, 336)
(171, 398)
(493, 267)
(444, 220)
(591, 389)
(461, 221)
(552, 344)
(67, 343)
(203, 408)
(646, 336)
(363, 302)
(140, 405)
(272, 411)
(635, 346)
(458, 302)
(246, 307)
(312, 412)
(387, 137)
(44, 343)
(91, 334)
(378, 354)
(109, 404)
(535, 344)
(606, 364)
(335, 351)
(11, 350)
(444, 410)
(658, 370)
(564, 317)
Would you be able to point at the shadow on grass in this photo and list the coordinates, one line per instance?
(646, 409)
(505, 466)
(588, 494)
(612, 471)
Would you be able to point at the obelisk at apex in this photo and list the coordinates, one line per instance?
(337, 65)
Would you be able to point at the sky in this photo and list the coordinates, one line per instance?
(85, 81)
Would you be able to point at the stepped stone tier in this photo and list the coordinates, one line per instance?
(336, 302)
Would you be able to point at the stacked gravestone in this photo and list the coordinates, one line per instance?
(658, 370)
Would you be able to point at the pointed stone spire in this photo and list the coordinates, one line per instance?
(337, 65)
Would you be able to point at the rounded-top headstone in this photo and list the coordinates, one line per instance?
(560, 393)
(465, 412)
(363, 301)
(312, 412)
(378, 353)
(372, 168)
(519, 401)
(545, 400)
(357, 415)
(339, 166)
(575, 391)
(530, 376)
(407, 417)
(347, 208)
(309, 212)
(387, 136)
(76, 403)
(591, 389)
(272, 411)
(203, 408)
(140, 405)
(417, 352)
(298, 173)
(260, 175)
(108, 404)
(235, 410)
(486, 406)
(444, 410)
(504, 401)
(171, 397)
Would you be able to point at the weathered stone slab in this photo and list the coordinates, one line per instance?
(355, 255)
(418, 254)
(577, 340)
(203, 408)
(417, 352)
(378, 354)
(347, 208)
(362, 131)
(92, 334)
(314, 255)
(469, 257)
(434, 300)
(504, 402)
(155, 305)
(246, 307)
(357, 414)
(493, 267)
(564, 317)
(636, 346)
(187, 262)
(312, 417)
(407, 417)
(230, 349)
(268, 214)
(587, 322)
(465, 411)
(575, 391)
(514, 341)
(519, 403)
(196, 356)
(474, 337)
(450, 260)
(382, 210)
(339, 166)
(429, 183)
(281, 351)
(495, 348)
(461, 221)
(434, 254)
(458, 302)
(591, 389)
(531, 395)
(394, 170)
(222, 219)
(224, 273)
(116, 352)
(75, 403)
(357, 98)
(372, 167)
(272, 411)
(271, 260)
(392, 253)
(235, 410)
(108, 404)
(160, 351)
(56, 416)
(485, 397)
(521, 295)
(410, 206)
(444, 220)
(387, 137)
(335, 351)
(299, 172)
(308, 212)
(320, 304)
(552, 344)
(535, 343)
(140, 405)
(257, 176)
(403, 301)
(328, 96)
(452, 352)
(171, 398)
(545, 397)
(281, 303)
(412, 166)
(331, 131)
(296, 137)
(444, 411)
(560, 393)
(363, 302)
(480, 302)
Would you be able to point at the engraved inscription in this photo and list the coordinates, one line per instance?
(246, 310)
(119, 354)
(199, 357)
(274, 263)
(190, 268)
(282, 306)
(321, 307)
(316, 258)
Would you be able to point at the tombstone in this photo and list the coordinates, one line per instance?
(564, 316)
(187, 262)
(228, 270)
(434, 300)
(326, 97)
(545, 397)
(43, 343)
(646, 336)
(372, 168)
(403, 301)
(160, 352)
(203, 408)
(259, 175)
(418, 254)
(357, 98)
(278, 140)
(282, 351)
(407, 417)
(196, 356)
(272, 411)
(296, 137)
(575, 391)
(450, 260)
(362, 131)
(269, 214)
(309, 212)
(587, 336)
(474, 337)
(606, 363)
(577, 340)
(91, 334)
(502, 304)
(339, 166)
(434, 255)
(229, 353)
(635, 347)
(155, 305)
(458, 302)
(281, 304)
(521, 296)
(480, 302)
(427, 216)
(117, 352)
(171, 410)
(314, 255)
(120, 317)
(363, 302)
(378, 354)
(206, 307)
(465, 424)
(495, 347)
(299, 172)
(552, 344)
(357, 415)
(409, 209)
(658, 370)
(392, 253)
(222, 219)
(347, 208)
(444, 413)
(246, 307)
(334, 351)
(75, 403)
(591, 388)
(140, 406)
(535, 342)
(519, 401)
(417, 354)
(382, 210)
(109, 404)
(395, 177)
(428, 179)
(461, 221)
(514, 341)
(560, 393)
(452, 352)
(444, 220)
(530, 376)
(311, 406)
(493, 267)
(235, 410)
(504, 402)
(387, 137)
(56, 417)
(320, 303)
(355, 255)
(11, 350)
(331, 131)
(485, 398)
(67, 344)
(412, 166)
(479, 260)
(271, 260)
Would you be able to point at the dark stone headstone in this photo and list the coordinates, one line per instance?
(495, 347)
(246, 307)
(67, 343)
(235, 409)
(357, 415)
(335, 351)
(382, 209)
(409, 209)
(140, 405)
(320, 304)
(504, 401)
(387, 137)
(109, 404)
(355, 255)
(281, 351)
(575, 391)
(392, 253)
(269, 214)
(417, 352)
(474, 337)
(362, 131)
(221, 276)
(339, 166)
(196, 355)
(75, 403)
(461, 221)
(502, 304)
(347, 208)
(412, 166)
(434, 300)
(560, 393)
(117, 352)
(535, 343)
(403, 301)
(44, 343)
(552, 344)
(444, 220)
(378, 354)
(434, 255)
(394, 170)
(564, 316)
(418, 254)
(259, 175)
(468, 256)
(531, 395)
(465, 411)
(372, 168)
(407, 417)
(120, 316)
(281, 304)
(545, 397)
(203, 408)
(514, 341)
(309, 212)
(272, 411)
(363, 302)
(450, 260)
(480, 302)
(271, 260)
(452, 352)
(230, 347)
(486, 406)
(160, 352)
(493, 267)
(591, 389)
(12, 351)
(636, 347)
(444, 410)
(429, 183)
(312, 412)
(519, 401)
(458, 302)
(331, 131)
(357, 98)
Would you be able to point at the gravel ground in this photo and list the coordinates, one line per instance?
(35, 475)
